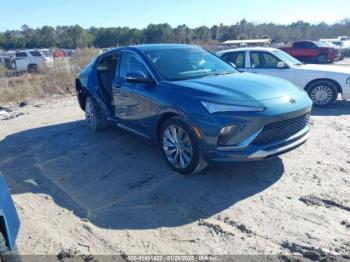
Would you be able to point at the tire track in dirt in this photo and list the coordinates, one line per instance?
(318, 201)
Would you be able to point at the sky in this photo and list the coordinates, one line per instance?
(140, 13)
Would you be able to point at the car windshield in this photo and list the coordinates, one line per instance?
(286, 57)
(320, 44)
(187, 63)
(338, 43)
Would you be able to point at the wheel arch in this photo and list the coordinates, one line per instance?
(335, 83)
(32, 67)
(162, 119)
(3, 230)
(5, 233)
(82, 93)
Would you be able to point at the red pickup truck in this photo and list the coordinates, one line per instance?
(312, 51)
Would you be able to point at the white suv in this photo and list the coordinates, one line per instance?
(31, 60)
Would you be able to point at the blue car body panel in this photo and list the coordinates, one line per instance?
(8, 214)
(141, 107)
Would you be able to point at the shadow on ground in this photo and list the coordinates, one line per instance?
(120, 181)
(340, 108)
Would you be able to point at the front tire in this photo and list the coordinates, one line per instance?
(323, 93)
(181, 147)
(94, 116)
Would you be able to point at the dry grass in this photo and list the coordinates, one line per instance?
(57, 79)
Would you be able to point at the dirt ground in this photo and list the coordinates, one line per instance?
(112, 193)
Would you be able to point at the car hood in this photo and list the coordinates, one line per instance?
(239, 87)
(325, 69)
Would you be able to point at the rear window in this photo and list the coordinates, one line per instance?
(35, 53)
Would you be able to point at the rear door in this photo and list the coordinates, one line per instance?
(36, 57)
(101, 80)
(237, 58)
(134, 103)
(22, 60)
(265, 63)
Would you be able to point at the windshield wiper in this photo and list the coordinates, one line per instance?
(218, 74)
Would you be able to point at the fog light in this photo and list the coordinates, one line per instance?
(226, 134)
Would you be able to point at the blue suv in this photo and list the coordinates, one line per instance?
(9, 224)
(198, 107)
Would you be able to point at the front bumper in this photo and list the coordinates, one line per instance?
(252, 152)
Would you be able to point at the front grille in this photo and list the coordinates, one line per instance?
(281, 130)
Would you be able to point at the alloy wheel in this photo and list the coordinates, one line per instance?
(321, 95)
(177, 146)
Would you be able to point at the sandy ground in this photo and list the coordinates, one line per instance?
(112, 193)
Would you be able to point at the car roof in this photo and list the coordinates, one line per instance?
(27, 50)
(152, 47)
(244, 49)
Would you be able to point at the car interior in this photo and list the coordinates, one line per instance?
(106, 70)
(263, 60)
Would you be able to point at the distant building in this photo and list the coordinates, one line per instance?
(248, 42)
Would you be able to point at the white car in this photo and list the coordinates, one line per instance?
(323, 83)
(31, 60)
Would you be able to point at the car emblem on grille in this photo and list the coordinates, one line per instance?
(292, 100)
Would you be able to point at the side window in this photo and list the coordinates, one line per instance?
(21, 54)
(263, 60)
(131, 63)
(238, 58)
(255, 59)
(35, 53)
(270, 61)
(299, 45)
(311, 45)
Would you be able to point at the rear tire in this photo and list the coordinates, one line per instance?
(323, 93)
(94, 116)
(7, 255)
(322, 59)
(32, 68)
(181, 147)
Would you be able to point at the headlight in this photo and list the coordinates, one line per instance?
(214, 108)
(348, 81)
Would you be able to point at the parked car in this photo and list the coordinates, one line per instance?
(340, 50)
(31, 60)
(341, 41)
(195, 105)
(323, 83)
(312, 51)
(47, 54)
(58, 54)
(8, 61)
(9, 224)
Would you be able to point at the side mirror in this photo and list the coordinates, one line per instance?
(282, 65)
(138, 77)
